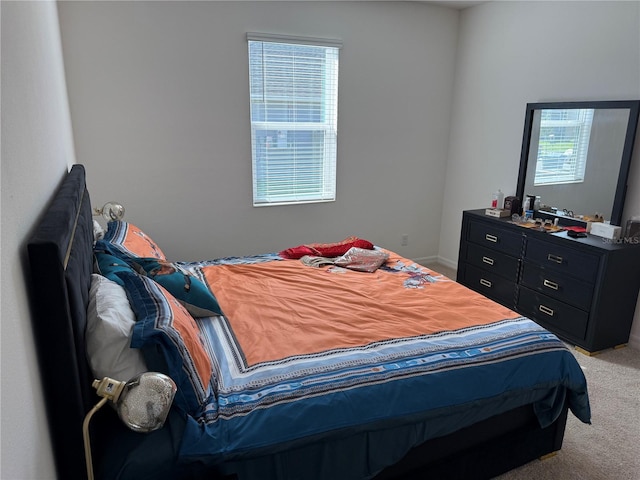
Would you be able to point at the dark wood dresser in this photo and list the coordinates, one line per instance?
(584, 289)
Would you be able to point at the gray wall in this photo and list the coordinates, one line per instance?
(36, 152)
(586, 51)
(159, 102)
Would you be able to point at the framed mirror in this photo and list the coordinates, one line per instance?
(576, 157)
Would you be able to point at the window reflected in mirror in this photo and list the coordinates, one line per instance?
(563, 146)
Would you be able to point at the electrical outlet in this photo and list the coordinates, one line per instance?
(405, 240)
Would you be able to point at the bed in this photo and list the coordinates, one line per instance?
(470, 391)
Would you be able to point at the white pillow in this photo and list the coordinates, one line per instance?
(108, 336)
(98, 231)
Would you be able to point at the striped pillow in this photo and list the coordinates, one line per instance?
(170, 341)
(124, 240)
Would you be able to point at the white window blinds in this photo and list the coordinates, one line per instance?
(294, 118)
(563, 146)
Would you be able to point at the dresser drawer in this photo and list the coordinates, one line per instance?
(555, 284)
(495, 238)
(493, 261)
(491, 285)
(553, 314)
(563, 259)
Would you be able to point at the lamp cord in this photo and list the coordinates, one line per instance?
(85, 434)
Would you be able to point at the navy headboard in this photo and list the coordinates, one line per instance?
(61, 262)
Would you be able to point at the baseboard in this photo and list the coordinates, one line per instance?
(447, 263)
(634, 341)
(436, 259)
(425, 260)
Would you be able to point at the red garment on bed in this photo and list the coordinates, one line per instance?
(326, 249)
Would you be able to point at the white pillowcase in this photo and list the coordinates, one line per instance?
(98, 231)
(108, 336)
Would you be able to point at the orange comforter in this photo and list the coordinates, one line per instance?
(299, 309)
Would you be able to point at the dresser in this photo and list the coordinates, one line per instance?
(583, 289)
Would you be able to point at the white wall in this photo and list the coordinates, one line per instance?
(505, 59)
(632, 208)
(36, 151)
(159, 102)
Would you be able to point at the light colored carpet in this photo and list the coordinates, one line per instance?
(609, 448)
(442, 269)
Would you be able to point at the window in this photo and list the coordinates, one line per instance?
(294, 118)
(563, 146)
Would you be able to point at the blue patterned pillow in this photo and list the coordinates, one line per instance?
(108, 265)
(189, 290)
(170, 341)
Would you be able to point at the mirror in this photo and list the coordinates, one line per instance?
(576, 156)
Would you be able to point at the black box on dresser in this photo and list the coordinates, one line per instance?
(583, 289)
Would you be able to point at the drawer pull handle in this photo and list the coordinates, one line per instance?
(546, 310)
(487, 260)
(491, 238)
(554, 258)
(486, 283)
(550, 284)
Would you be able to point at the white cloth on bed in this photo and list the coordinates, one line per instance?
(108, 336)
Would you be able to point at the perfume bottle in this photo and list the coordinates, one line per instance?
(498, 198)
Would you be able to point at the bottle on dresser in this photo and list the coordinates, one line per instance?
(498, 199)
